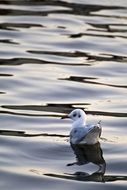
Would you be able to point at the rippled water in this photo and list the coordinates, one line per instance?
(56, 56)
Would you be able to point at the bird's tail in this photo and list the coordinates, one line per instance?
(99, 122)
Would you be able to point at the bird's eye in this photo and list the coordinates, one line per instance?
(74, 114)
(79, 115)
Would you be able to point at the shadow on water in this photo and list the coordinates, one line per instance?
(87, 56)
(22, 19)
(66, 8)
(94, 177)
(85, 154)
(90, 80)
(54, 108)
(89, 153)
(73, 8)
(2, 93)
(20, 61)
(12, 26)
(69, 8)
(24, 134)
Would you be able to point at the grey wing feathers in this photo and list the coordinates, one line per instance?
(99, 128)
(81, 135)
(96, 130)
(93, 135)
(77, 135)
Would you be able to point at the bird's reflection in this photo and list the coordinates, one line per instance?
(84, 154)
(89, 153)
(95, 177)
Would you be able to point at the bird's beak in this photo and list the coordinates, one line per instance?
(65, 117)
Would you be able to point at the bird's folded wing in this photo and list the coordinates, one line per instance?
(92, 136)
(77, 136)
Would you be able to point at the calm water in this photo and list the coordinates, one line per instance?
(56, 56)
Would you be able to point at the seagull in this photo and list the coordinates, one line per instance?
(82, 133)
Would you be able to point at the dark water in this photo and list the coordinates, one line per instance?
(56, 56)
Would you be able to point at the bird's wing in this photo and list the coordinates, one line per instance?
(89, 134)
(93, 134)
(95, 130)
(77, 134)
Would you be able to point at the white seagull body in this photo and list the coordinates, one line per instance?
(81, 133)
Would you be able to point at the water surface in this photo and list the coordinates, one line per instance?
(56, 56)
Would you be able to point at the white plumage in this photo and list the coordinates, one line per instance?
(81, 133)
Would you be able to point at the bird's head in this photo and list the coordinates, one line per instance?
(76, 115)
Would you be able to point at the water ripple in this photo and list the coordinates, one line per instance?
(56, 56)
